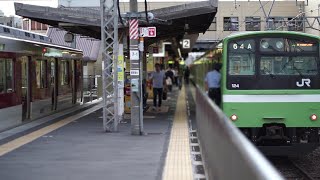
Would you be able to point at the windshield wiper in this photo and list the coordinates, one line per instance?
(285, 65)
(294, 67)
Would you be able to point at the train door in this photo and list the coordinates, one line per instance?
(26, 87)
(54, 83)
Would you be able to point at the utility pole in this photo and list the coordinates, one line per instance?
(136, 97)
(141, 49)
(110, 43)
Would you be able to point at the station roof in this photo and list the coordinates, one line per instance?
(89, 46)
(86, 21)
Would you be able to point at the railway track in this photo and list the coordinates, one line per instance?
(291, 170)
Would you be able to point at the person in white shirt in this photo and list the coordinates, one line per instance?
(158, 83)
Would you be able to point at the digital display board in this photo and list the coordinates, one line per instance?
(287, 45)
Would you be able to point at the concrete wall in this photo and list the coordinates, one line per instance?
(89, 68)
(313, 5)
(11, 21)
(248, 9)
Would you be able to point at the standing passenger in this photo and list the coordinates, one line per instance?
(212, 82)
(158, 83)
(176, 75)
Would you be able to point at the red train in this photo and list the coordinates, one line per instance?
(37, 78)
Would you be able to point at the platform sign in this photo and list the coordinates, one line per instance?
(134, 55)
(135, 85)
(120, 68)
(148, 32)
(186, 43)
(152, 32)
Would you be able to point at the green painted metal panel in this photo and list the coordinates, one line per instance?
(293, 114)
(256, 114)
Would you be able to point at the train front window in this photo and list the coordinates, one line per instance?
(282, 65)
(273, 61)
(6, 75)
(41, 73)
(241, 58)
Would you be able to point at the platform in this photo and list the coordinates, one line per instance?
(77, 148)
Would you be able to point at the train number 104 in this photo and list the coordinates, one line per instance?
(235, 85)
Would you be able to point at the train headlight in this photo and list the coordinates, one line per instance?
(264, 44)
(279, 44)
(234, 117)
(313, 117)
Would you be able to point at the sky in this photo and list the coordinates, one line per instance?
(7, 7)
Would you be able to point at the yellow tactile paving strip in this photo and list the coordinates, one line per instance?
(178, 164)
(12, 145)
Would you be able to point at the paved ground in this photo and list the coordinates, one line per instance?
(81, 150)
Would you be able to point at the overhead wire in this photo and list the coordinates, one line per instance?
(297, 16)
(119, 13)
(146, 10)
(254, 13)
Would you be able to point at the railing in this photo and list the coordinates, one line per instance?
(227, 153)
(90, 87)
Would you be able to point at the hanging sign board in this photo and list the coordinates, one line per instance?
(134, 55)
(186, 43)
(134, 72)
(148, 32)
(135, 85)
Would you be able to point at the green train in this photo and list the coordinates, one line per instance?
(270, 87)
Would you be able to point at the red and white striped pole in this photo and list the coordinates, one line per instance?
(133, 29)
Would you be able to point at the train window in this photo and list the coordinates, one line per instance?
(231, 24)
(6, 75)
(27, 34)
(242, 64)
(282, 65)
(52, 71)
(41, 37)
(64, 72)
(253, 23)
(6, 30)
(241, 57)
(41, 73)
